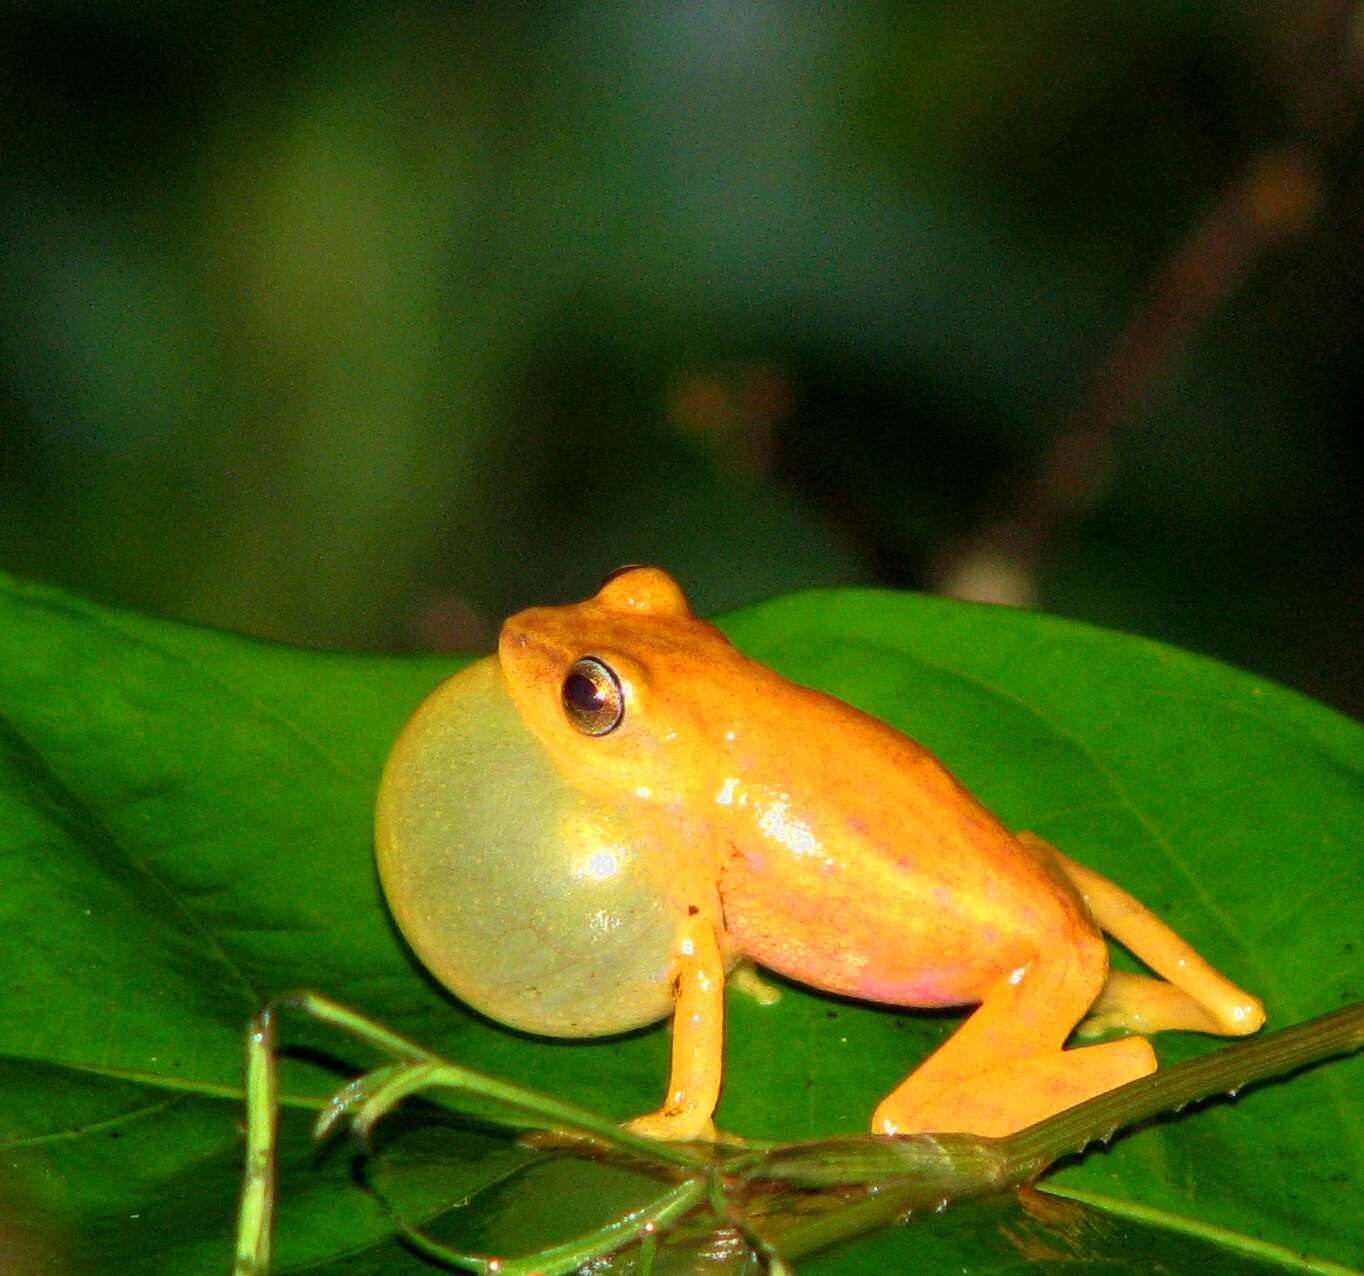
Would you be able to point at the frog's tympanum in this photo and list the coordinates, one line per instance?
(587, 831)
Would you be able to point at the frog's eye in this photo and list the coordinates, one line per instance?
(593, 699)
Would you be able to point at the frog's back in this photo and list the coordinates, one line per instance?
(862, 866)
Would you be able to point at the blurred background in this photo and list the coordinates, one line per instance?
(361, 325)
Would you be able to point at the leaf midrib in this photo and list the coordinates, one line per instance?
(1213, 1233)
(44, 771)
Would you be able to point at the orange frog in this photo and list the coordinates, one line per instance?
(588, 831)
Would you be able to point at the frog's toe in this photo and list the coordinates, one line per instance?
(674, 1127)
(744, 978)
(1104, 1022)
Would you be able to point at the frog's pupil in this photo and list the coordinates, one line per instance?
(582, 693)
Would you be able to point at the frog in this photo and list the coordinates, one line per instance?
(602, 824)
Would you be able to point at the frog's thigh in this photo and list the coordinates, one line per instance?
(698, 1038)
(1005, 1067)
(1197, 998)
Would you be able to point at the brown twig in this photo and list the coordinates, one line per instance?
(1274, 196)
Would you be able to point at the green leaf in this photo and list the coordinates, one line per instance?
(185, 830)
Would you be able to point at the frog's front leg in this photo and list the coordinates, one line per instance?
(698, 977)
(1005, 1067)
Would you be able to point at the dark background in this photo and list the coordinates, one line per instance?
(362, 327)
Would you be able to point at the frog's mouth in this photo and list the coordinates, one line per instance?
(533, 903)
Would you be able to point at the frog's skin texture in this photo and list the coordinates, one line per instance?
(575, 851)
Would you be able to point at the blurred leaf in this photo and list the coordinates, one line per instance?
(185, 830)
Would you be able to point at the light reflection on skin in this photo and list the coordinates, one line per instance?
(603, 922)
(777, 822)
(730, 794)
(601, 865)
(604, 861)
(775, 819)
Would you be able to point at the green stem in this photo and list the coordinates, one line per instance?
(255, 1215)
(918, 1172)
(897, 1175)
(1224, 1071)
(437, 1073)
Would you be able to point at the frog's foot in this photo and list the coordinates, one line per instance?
(744, 978)
(1138, 1003)
(1005, 1068)
(1012, 1096)
(675, 1126)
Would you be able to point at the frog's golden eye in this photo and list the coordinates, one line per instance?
(592, 697)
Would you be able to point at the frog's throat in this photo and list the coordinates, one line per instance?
(535, 904)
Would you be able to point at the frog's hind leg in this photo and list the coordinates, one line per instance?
(1196, 997)
(1005, 1067)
